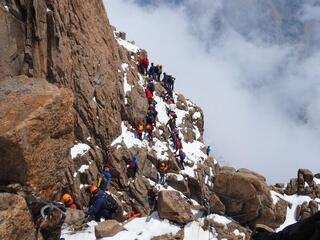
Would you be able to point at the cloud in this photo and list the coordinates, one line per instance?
(261, 99)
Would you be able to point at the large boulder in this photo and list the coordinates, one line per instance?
(246, 197)
(36, 133)
(107, 228)
(74, 217)
(15, 219)
(172, 206)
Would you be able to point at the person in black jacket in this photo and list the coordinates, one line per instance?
(308, 229)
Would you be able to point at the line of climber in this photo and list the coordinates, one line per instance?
(153, 74)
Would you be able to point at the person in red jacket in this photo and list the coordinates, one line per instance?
(149, 95)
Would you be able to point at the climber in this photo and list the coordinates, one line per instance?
(308, 229)
(102, 205)
(169, 83)
(152, 71)
(50, 222)
(132, 167)
(149, 95)
(164, 79)
(163, 170)
(168, 98)
(105, 179)
(152, 198)
(152, 111)
(143, 62)
(159, 72)
(149, 129)
(208, 150)
(177, 143)
(70, 202)
(182, 156)
(151, 86)
(140, 129)
(172, 124)
(150, 118)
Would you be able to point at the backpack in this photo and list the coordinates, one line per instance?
(111, 204)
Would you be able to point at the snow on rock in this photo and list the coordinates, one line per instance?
(295, 201)
(127, 137)
(194, 231)
(83, 168)
(127, 45)
(219, 219)
(126, 86)
(137, 229)
(316, 180)
(161, 149)
(79, 149)
(196, 115)
(162, 110)
(86, 234)
(238, 233)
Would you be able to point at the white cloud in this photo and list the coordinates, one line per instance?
(252, 93)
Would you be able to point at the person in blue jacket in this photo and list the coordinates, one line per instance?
(102, 205)
(105, 179)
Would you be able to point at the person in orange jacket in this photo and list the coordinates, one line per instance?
(70, 202)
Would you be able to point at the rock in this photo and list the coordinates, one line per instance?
(139, 191)
(173, 207)
(306, 210)
(244, 170)
(36, 134)
(107, 228)
(15, 218)
(178, 236)
(307, 175)
(74, 217)
(232, 230)
(182, 103)
(178, 183)
(246, 197)
(292, 187)
(216, 206)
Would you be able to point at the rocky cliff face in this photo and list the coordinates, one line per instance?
(70, 98)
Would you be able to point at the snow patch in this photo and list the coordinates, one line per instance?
(194, 231)
(127, 45)
(295, 200)
(127, 137)
(219, 219)
(196, 115)
(126, 86)
(79, 149)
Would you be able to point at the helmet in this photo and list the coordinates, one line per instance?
(66, 198)
(93, 189)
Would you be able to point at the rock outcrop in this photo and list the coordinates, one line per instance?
(173, 207)
(246, 197)
(36, 132)
(15, 219)
(107, 228)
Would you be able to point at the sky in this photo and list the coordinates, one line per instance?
(252, 67)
